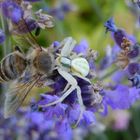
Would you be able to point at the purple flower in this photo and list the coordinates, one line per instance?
(135, 50)
(74, 113)
(133, 68)
(110, 25)
(64, 130)
(89, 118)
(2, 36)
(122, 97)
(12, 11)
(36, 117)
(56, 43)
(53, 111)
(82, 47)
(135, 80)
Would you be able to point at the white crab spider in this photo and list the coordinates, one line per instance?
(69, 66)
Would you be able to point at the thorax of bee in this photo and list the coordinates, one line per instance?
(77, 65)
(41, 61)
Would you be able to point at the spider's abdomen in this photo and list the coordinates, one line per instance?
(80, 65)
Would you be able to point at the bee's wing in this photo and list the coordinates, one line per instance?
(16, 96)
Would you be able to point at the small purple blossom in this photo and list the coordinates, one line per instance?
(64, 130)
(133, 68)
(2, 36)
(82, 47)
(12, 11)
(122, 97)
(135, 80)
(134, 50)
(89, 118)
(110, 25)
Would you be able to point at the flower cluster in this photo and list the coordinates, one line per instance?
(22, 19)
(65, 114)
(129, 49)
(69, 109)
(29, 125)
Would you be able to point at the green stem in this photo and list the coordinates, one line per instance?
(7, 43)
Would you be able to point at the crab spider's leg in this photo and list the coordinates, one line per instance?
(68, 77)
(66, 94)
(82, 107)
(66, 88)
(69, 43)
(71, 81)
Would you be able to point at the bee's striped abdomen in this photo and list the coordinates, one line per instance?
(12, 66)
(8, 68)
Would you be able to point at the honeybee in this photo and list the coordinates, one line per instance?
(24, 70)
(27, 71)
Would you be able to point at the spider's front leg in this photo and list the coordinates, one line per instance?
(73, 85)
(67, 46)
(72, 81)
